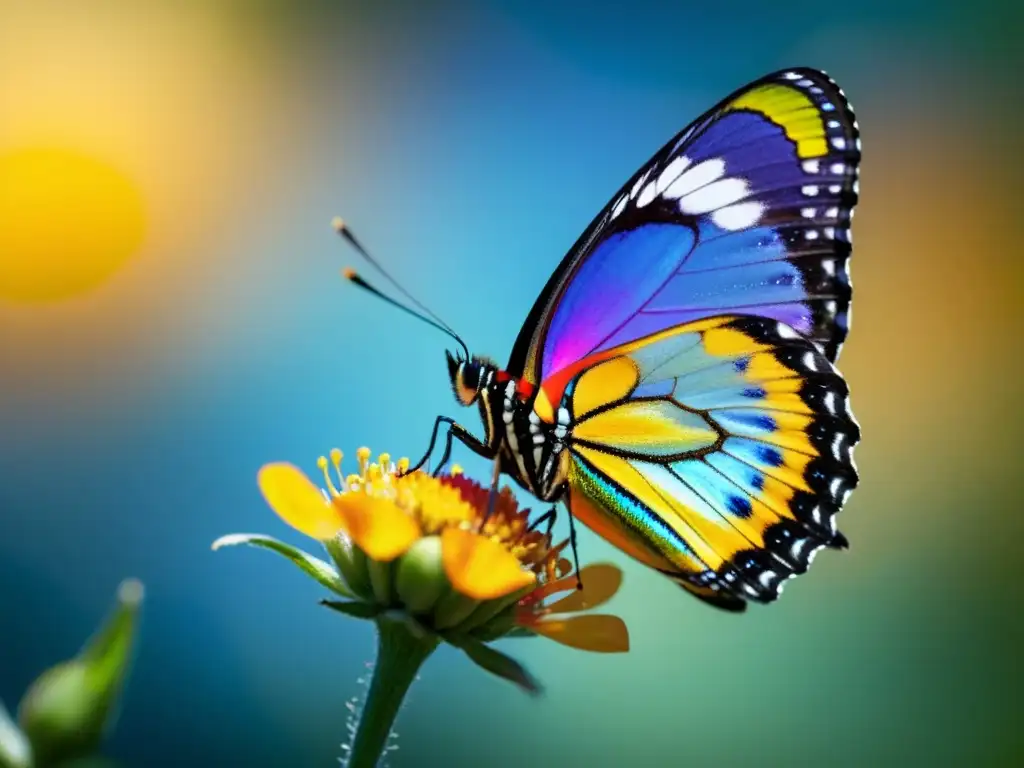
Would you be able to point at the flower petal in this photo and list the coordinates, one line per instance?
(377, 526)
(600, 583)
(298, 502)
(600, 632)
(479, 567)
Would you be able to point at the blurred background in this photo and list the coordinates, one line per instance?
(185, 322)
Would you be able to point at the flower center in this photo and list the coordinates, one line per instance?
(443, 502)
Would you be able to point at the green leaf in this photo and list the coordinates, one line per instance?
(354, 608)
(66, 712)
(15, 751)
(497, 663)
(320, 570)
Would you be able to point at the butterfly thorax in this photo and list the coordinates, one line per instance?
(531, 451)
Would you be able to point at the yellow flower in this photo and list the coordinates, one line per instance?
(427, 545)
(431, 559)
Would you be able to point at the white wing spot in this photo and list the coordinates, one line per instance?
(838, 168)
(809, 362)
(672, 172)
(811, 166)
(830, 232)
(837, 481)
(811, 234)
(833, 123)
(711, 197)
(791, 76)
(805, 83)
(828, 264)
(701, 174)
(639, 183)
(646, 195)
(620, 206)
(839, 142)
(830, 402)
(832, 213)
(835, 189)
(738, 216)
(810, 190)
(808, 213)
(785, 332)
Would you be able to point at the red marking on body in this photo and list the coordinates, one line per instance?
(524, 389)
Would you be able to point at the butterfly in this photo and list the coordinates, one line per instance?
(674, 384)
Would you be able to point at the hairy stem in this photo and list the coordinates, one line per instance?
(401, 650)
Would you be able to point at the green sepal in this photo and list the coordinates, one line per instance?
(497, 663)
(501, 625)
(15, 750)
(66, 712)
(321, 571)
(354, 608)
(521, 632)
(452, 609)
(382, 578)
(487, 612)
(351, 566)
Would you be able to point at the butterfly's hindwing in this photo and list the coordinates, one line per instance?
(718, 452)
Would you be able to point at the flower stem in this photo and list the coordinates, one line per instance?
(401, 650)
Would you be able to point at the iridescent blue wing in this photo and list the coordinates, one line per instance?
(746, 211)
(718, 452)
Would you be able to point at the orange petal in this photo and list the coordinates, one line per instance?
(480, 568)
(600, 583)
(298, 502)
(377, 526)
(600, 633)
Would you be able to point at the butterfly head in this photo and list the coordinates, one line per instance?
(469, 377)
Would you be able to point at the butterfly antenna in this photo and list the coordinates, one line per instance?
(342, 229)
(354, 277)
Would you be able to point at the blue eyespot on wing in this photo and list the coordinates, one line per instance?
(747, 211)
(723, 459)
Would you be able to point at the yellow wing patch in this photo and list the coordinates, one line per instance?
(604, 383)
(652, 428)
(793, 111)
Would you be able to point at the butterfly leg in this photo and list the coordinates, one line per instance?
(548, 517)
(492, 497)
(454, 431)
(575, 554)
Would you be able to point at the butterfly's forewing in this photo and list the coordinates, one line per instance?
(717, 452)
(747, 211)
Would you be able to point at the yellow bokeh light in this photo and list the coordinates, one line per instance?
(68, 222)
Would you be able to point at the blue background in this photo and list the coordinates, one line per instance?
(468, 144)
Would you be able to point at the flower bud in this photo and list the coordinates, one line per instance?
(67, 710)
(420, 580)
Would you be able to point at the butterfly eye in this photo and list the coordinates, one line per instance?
(471, 376)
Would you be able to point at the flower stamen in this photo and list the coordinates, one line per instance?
(363, 456)
(336, 457)
(322, 465)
